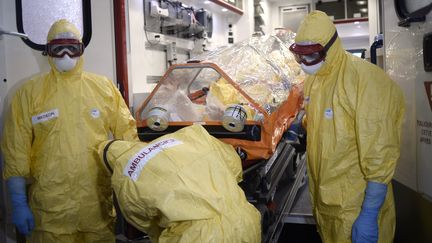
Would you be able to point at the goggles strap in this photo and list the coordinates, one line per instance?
(331, 41)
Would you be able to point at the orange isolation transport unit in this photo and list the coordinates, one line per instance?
(247, 95)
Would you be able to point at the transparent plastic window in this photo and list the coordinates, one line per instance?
(196, 94)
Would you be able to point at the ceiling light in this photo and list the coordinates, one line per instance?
(361, 3)
(364, 10)
(224, 10)
(206, 2)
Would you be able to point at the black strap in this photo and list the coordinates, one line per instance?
(105, 155)
(331, 41)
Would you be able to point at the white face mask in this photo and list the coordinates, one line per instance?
(65, 63)
(311, 70)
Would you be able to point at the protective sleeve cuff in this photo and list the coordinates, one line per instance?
(16, 185)
(375, 195)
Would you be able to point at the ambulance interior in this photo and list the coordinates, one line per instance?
(225, 64)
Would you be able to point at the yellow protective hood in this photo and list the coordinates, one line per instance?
(317, 27)
(182, 187)
(60, 27)
(63, 26)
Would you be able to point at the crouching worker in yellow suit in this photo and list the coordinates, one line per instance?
(182, 187)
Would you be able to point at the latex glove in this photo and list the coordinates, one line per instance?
(22, 216)
(365, 228)
(293, 131)
(296, 128)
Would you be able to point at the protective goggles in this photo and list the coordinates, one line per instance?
(311, 54)
(61, 47)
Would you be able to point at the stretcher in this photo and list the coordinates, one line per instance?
(247, 95)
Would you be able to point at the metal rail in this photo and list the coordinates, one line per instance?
(276, 229)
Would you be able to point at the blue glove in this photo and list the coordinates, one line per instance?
(22, 216)
(293, 131)
(365, 228)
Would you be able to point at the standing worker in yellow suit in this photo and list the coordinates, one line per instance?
(50, 137)
(354, 115)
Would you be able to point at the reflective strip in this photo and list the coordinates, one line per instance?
(139, 160)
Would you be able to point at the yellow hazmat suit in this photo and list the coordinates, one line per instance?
(182, 187)
(354, 115)
(57, 120)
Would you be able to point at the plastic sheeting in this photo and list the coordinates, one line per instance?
(404, 64)
(263, 67)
